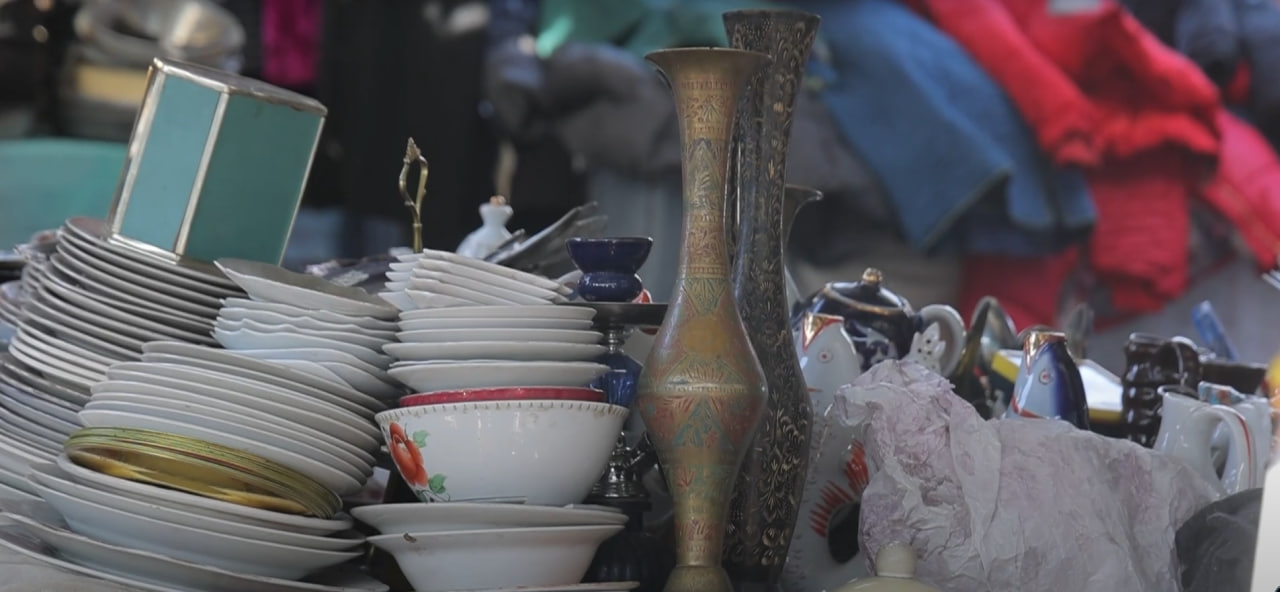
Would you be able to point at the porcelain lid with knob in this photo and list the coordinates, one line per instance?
(895, 569)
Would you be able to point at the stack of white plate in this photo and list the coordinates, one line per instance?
(306, 323)
(433, 279)
(100, 298)
(152, 538)
(496, 346)
(317, 427)
(89, 302)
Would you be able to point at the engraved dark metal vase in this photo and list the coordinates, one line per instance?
(767, 495)
(701, 392)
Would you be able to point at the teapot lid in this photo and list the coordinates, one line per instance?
(868, 294)
(896, 560)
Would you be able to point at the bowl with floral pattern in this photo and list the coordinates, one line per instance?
(547, 452)
(506, 393)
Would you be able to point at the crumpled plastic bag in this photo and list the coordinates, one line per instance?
(1013, 504)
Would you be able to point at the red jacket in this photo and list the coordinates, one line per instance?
(1144, 123)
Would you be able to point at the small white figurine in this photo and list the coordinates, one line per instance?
(493, 231)
(895, 568)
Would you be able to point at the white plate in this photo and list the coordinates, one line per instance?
(18, 481)
(48, 475)
(503, 312)
(522, 335)
(202, 506)
(338, 391)
(479, 322)
(85, 334)
(216, 286)
(421, 299)
(496, 350)
(54, 414)
(129, 334)
(526, 295)
(162, 572)
(464, 293)
(121, 312)
(199, 308)
(267, 317)
(143, 254)
(400, 300)
(313, 369)
(76, 354)
(226, 362)
(455, 516)
(485, 266)
(246, 339)
(52, 369)
(333, 479)
(17, 456)
(445, 376)
(287, 440)
(364, 381)
(197, 545)
(538, 288)
(29, 342)
(272, 283)
(592, 587)
(320, 355)
(200, 393)
(59, 271)
(325, 316)
(351, 337)
(31, 432)
(316, 401)
(148, 394)
(158, 289)
(15, 371)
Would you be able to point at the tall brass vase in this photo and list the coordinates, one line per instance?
(701, 392)
(767, 495)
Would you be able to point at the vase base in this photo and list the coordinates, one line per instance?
(698, 578)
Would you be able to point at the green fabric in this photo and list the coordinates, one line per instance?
(638, 26)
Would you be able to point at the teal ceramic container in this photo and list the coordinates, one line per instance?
(216, 165)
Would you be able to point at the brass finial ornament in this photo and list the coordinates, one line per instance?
(413, 155)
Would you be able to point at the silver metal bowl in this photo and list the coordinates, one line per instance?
(134, 32)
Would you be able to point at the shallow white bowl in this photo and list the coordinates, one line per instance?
(491, 559)
(549, 452)
(460, 516)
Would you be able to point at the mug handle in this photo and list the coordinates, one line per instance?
(1240, 472)
(950, 331)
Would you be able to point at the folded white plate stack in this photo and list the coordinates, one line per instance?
(317, 427)
(156, 539)
(311, 325)
(462, 347)
(494, 547)
(94, 301)
(434, 279)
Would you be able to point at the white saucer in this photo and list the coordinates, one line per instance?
(267, 317)
(352, 337)
(247, 339)
(479, 322)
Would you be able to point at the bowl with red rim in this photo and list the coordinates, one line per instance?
(505, 393)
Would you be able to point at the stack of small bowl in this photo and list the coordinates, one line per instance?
(309, 324)
(498, 465)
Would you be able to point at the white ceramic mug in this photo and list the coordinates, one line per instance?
(1187, 426)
